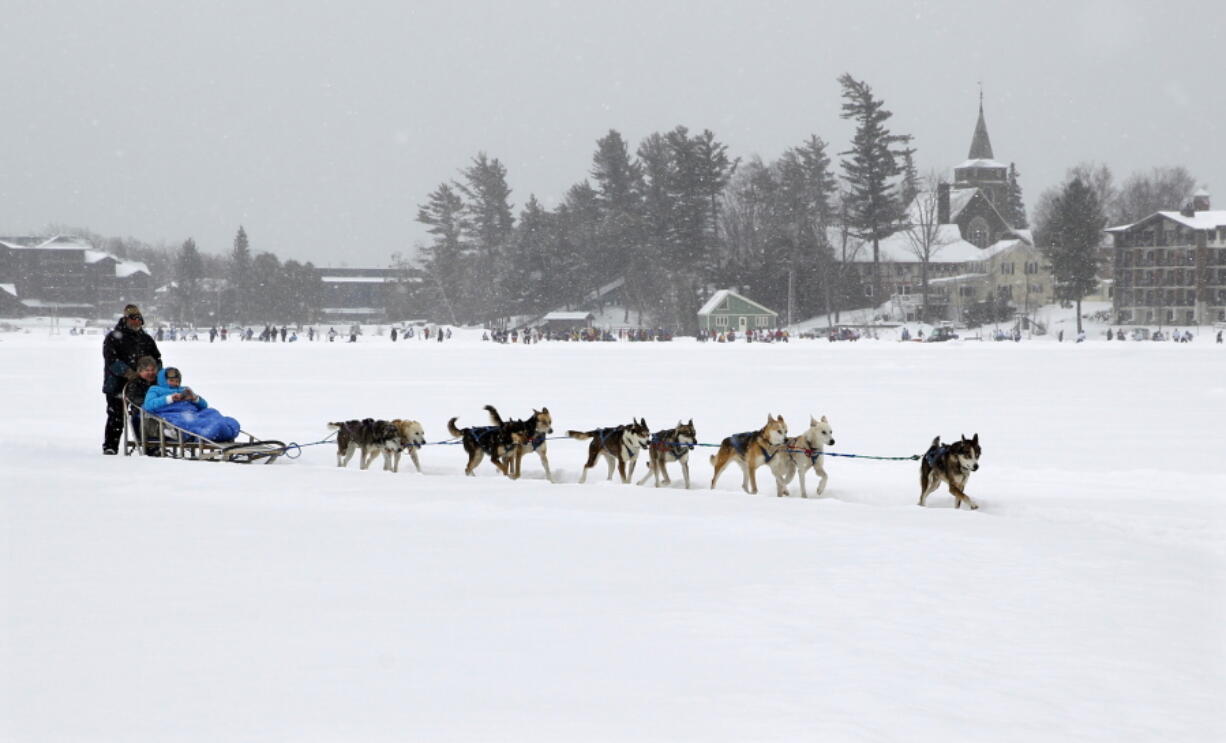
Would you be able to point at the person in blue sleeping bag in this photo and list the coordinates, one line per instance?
(184, 408)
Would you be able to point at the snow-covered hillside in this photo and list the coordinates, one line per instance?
(150, 600)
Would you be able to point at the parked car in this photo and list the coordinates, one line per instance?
(941, 334)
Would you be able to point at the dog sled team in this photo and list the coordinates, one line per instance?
(506, 441)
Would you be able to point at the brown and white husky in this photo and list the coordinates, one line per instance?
(670, 445)
(950, 463)
(619, 446)
(751, 450)
(802, 452)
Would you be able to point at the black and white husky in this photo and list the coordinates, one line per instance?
(619, 446)
(951, 464)
(670, 445)
(803, 452)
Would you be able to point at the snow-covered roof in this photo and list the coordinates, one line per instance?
(958, 199)
(568, 316)
(957, 279)
(93, 256)
(124, 269)
(355, 279)
(718, 298)
(948, 247)
(41, 304)
(9, 289)
(352, 310)
(982, 163)
(1210, 220)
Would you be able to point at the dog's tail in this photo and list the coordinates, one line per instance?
(451, 429)
(712, 459)
(494, 417)
(580, 434)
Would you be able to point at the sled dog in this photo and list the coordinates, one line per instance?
(751, 450)
(802, 452)
(619, 446)
(480, 441)
(952, 464)
(670, 445)
(371, 437)
(534, 429)
(411, 436)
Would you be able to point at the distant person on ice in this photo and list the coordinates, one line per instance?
(121, 349)
(184, 408)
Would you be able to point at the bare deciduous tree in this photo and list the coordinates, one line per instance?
(923, 231)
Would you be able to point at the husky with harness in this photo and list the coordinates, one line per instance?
(670, 445)
(800, 453)
(619, 446)
(751, 450)
(479, 441)
(950, 463)
(534, 430)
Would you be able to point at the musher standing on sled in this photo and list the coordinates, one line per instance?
(121, 349)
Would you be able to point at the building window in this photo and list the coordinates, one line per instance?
(721, 321)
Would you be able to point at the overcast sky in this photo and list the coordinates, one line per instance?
(320, 126)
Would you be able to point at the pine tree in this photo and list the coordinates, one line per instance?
(1075, 233)
(442, 260)
(189, 271)
(872, 164)
(1015, 207)
(267, 284)
(240, 292)
(486, 226)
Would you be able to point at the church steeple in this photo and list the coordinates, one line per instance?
(981, 146)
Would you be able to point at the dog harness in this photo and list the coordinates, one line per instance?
(931, 457)
(740, 442)
(664, 440)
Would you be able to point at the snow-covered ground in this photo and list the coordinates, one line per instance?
(149, 600)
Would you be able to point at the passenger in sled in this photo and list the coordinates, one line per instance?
(180, 405)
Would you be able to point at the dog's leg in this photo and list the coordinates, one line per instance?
(474, 458)
(720, 460)
(592, 452)
(413, 454)
(821, 472)
(663, 470)
(962, 496)
(651, 470)
(629, 466)
(545, 463)
(367, 457)
(612, 460)
(928, 483)
(751, 469)
(349, 452)
(685, 470)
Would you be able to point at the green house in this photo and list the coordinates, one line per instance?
(726, 310)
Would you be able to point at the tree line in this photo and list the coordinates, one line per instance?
(674, 218)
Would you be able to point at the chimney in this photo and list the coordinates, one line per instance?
(1200, 201)
(942, 203)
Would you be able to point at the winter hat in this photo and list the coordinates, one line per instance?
(146, 361)
(132, 311)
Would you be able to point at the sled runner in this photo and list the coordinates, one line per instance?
(152, 435)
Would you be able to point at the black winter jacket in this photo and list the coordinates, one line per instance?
(120, 352)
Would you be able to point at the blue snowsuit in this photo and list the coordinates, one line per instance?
(195, 416)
